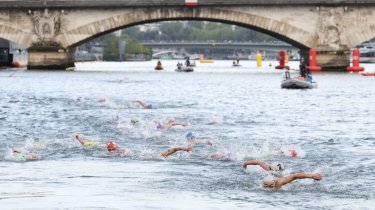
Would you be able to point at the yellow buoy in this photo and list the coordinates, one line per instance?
(259, 59)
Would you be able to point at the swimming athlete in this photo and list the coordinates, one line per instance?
(190, 137)
(144, 105)
(82, 141)
(276, 179)
(174, 150)
(222, 156)
(134, 120)
(19, 156)
(170, 124)
(113, 148)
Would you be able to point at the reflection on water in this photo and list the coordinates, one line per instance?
(331, 129)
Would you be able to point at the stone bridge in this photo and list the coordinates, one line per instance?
(50, 29)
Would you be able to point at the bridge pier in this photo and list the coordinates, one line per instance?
(333, 60)
(50, 58)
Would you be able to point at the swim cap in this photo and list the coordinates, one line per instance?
(277, 167)
(88, 143)
(149, 106)
(159, 126)
(134, 120)
(111, 146)
(19, 157)
(190, 135)
(293, 152)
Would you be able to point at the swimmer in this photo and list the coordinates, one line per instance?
(190, 137)
(80, 99)
(83, 142)
(173, 150)
(144, 105)
(114, 149)
(276, 179)
(222, 156)
(134, 120)
(19, 157)
(170, 124)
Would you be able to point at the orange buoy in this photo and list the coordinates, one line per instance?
(312, 61)
(355, 67)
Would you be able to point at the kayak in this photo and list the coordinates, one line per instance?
(298, 84)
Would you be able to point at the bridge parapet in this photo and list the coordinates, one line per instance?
(32, 4)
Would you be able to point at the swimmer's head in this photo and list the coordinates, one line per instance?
(293, 153)
(277, 167)
(190, 135)
(149, 106)
(159, 126)
(134, 120)
(111, 146)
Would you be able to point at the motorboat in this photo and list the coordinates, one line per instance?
(298, 83)
(192, 64)
(185, 69)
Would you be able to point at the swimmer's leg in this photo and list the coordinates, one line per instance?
(290, 178)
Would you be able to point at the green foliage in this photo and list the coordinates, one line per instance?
(197, 31)
(132, 47)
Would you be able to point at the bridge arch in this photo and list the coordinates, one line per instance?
(291, 34)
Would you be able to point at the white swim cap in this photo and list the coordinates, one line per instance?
(277, 170)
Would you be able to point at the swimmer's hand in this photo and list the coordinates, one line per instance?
(316, 177)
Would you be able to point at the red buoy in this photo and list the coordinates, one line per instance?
(312, 61)
(355, 66)
(282, 61)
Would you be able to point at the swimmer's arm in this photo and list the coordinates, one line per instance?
(264, 165)
(287, 179)
(143, 104)
(79, 138)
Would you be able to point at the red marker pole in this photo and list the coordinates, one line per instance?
(355, 67)
(312, 61)
(282, 61)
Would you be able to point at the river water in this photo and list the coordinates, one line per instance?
(331, 128)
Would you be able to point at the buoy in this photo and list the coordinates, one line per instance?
(259, 59)
(355, 67)
(312, 63)
(282, 61)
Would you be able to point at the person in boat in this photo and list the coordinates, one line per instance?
(19, 156)
(187, 62)
(179, 65)
(287, 74)
(309, 75)
(170, 124)
(302, 68)
(190, 137)
(173, 150)
(234, 63)
(143, 104)
(238, 61)
(275, 180)
(158, 65)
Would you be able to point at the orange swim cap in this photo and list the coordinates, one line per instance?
(111, 146)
